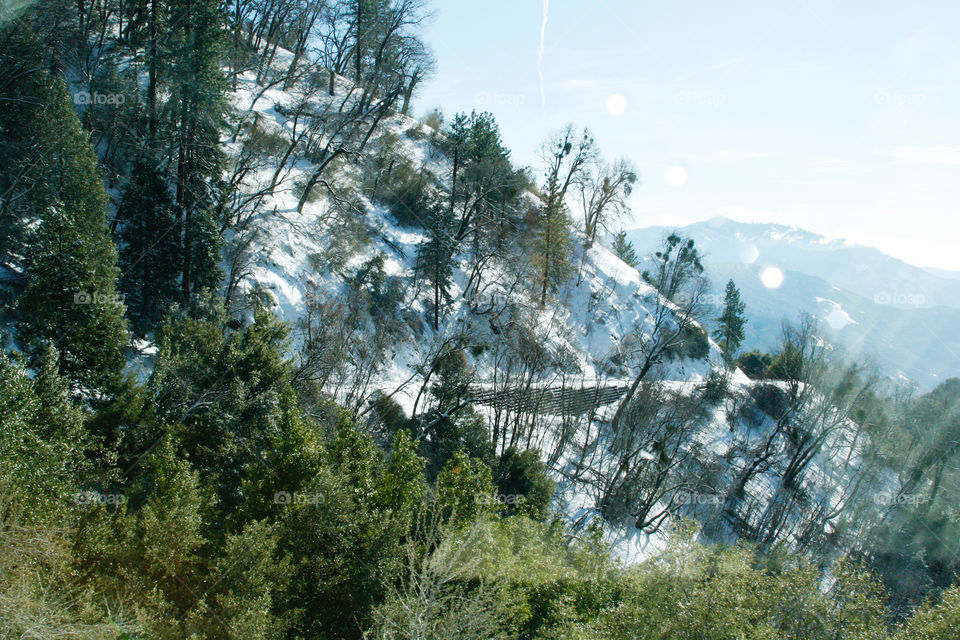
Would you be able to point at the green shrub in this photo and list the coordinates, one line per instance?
(770, 399)
(715, 388)
(692, 343)
(523, 485)
(754, 364)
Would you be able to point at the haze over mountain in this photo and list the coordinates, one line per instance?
(903, 317)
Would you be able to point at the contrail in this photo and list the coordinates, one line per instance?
(543, 36)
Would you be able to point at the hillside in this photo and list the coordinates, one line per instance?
(283, 362)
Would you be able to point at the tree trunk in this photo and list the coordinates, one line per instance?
(152, 83)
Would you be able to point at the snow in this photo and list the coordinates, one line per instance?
(590, 318)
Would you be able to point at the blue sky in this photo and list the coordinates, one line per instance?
(839, 117)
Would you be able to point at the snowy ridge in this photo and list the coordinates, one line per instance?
(582, 329)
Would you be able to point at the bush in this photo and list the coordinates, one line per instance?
(935, 621)
(692, 343)
(788, 365)
(521, 474)
(694, 592)
(770, 399)
(715, 388)
(404, 189)
(754, 364)
(386, 417)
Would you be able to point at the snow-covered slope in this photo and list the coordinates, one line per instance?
(294, 258)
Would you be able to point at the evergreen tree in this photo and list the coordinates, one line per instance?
(485, 191)
(732, 321)
(435, 257)
(624, 250)
(552, 250)
(229, 396)
(196, 35)
(465, 488)
(754, 364)
(70, 299)
(149, 248)
(565, 156)
(523, 483)
(452, 425)
(42, 461)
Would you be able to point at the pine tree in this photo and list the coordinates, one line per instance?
(149, 248)
(565, 154)
(198, 86)
(70, 299)
(42, 461)
(552, 249)
(731, 321)
(624, 250)
(435, 257)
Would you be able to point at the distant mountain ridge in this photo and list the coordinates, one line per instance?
(875, 306)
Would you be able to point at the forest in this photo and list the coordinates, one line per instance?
(473, 388)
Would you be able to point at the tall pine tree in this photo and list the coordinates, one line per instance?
(435, 256)
(732, 321)
(70, 298)
(196, 35)
(149, 248)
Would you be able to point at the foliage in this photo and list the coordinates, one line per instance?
(42, 443)
(149, 250)
(754, 364)
(70, 299)
(464, 488)
(715, 387)
(523, 484)
(261, 486)
(692, 342)
(677, 263)
(451, 424)
(936, 620)
(623, 249)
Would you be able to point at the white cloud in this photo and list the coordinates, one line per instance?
(735, 155)
(931, 155)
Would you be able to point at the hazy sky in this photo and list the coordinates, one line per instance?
(839, 117)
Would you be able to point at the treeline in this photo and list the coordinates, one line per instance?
(210, 505)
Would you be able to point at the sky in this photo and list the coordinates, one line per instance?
(842, 118)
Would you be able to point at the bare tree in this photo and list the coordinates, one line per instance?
(680, 287)
(648, 465)
(602, 189)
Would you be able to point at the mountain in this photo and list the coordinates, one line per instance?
(876, 307)
(944, 273)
